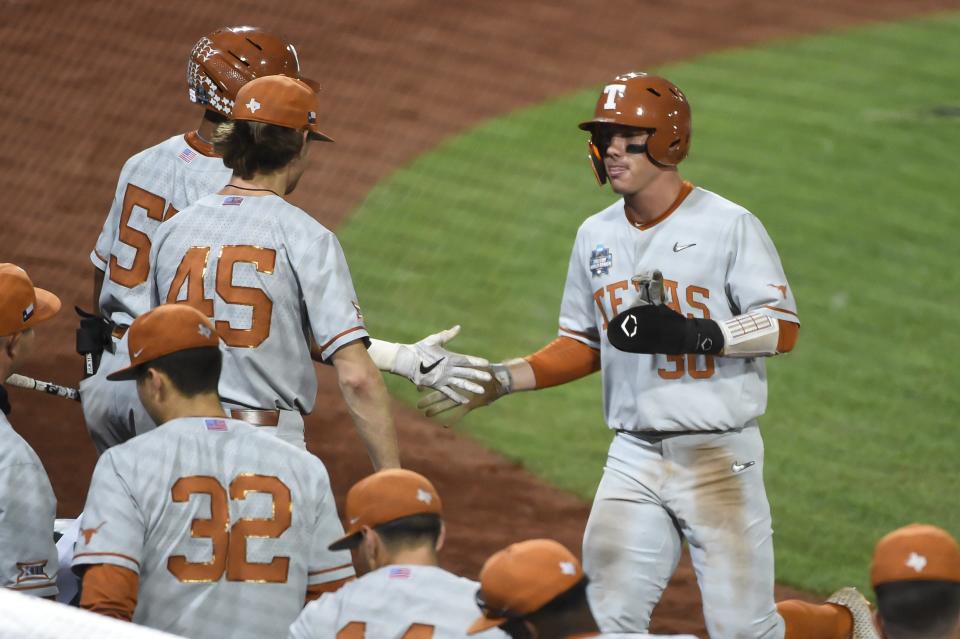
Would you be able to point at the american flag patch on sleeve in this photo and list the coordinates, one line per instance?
(399, 573)
(187, 155)
(215, 424)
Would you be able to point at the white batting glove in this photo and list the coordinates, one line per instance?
(429, 365)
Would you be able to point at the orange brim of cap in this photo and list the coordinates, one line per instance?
(47, 306)
(484, 623)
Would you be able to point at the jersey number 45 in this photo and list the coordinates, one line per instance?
(229, 553)
(190, 272)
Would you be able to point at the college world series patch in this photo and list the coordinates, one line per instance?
(601, 259)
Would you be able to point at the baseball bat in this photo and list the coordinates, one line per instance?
(22, 381)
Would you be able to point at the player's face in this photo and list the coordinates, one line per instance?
(629, 169)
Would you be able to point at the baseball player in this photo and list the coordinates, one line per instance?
(915, 575)
(275, 280)
(205, 526)
(536, 588)
(28, 557)
(154, 185)
(394, 521)
(160, 181)
(678, 294)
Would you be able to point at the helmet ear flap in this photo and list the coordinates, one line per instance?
(596, 161)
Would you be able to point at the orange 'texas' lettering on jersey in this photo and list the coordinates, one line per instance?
(610, 293)
(598, 299)
(88, 533)
(615, 301)
(780, 287)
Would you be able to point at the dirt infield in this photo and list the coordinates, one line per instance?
(88, 84)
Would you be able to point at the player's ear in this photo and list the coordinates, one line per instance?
(16, 345)
(368, 539)
(154, 382)
(442, 537)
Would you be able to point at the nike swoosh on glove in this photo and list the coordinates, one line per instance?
(429, 365)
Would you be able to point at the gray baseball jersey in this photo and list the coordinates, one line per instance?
(226, 527)
(272, 277)
(394, 602)
(717, 262)
(154, 184)
(28, 556)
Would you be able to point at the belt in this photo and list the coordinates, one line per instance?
(657, 435)
(119, 331)
(256, 417)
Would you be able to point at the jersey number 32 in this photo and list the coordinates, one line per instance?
(229, 552)
(191, 271)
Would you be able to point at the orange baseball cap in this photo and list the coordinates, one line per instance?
(523, 578)
(280, 100)
(164, 330)
(917, 552)
(21, 303)
(383, 497)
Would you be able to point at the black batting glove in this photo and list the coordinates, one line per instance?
(658, 329)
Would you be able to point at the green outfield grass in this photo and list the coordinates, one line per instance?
(835, 142)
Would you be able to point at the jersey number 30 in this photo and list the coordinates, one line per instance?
(230, 542)
(190, 272)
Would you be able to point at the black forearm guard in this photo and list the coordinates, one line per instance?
(658, 329)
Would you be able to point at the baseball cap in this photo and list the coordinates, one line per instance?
(383, 497)
(917, 552)
(523, 578)
(22, 305)
(280, 100)
(164, 330)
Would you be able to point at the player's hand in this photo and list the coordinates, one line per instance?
(649, 289)
(454, 376)
(500, 383)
